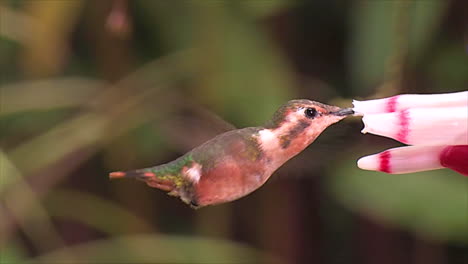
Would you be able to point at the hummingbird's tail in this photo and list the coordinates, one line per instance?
(130, 174)
(149, 177)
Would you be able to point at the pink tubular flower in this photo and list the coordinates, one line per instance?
(435, 125)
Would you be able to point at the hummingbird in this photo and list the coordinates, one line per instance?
(237, 162)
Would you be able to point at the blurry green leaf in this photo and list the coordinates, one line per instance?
(30, 122)
(8, 51)
(371, 42)
(156, 248)
(424, 18)
(242, 73)
(94, 211)
(8, 173)
(12, 254)
(238, 71)
(48, 94)
(79, 137)
(15, 25)
(46, 48)
(449, 69)
(90, 127)
(146, 142)
(25, 209)
(69, 136)
(433, 203)
(172, 20)
(264, 8)
(385, 30)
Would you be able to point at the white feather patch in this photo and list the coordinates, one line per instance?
(194, 172)
(268, 140)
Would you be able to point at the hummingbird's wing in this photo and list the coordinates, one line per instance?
(202, 124)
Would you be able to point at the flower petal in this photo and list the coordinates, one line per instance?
(421, 126)
(455, 158)
(404, 160)
(405, 101)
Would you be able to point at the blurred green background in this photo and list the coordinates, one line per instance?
(88, 87)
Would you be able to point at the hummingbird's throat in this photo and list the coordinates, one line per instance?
(284, 142)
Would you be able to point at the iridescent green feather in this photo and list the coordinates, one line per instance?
(173, 170)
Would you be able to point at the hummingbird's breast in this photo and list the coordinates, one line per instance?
(233, 166)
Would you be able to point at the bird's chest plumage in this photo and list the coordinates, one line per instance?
(228, 181)
(232, 173)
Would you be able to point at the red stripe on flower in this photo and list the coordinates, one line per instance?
(392, 103)
(384, 159)
(404, 119)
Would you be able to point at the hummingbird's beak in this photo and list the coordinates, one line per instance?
(343, 112)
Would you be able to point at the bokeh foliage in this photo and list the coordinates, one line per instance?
(89, 87)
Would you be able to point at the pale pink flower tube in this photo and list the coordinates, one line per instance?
(436, 125)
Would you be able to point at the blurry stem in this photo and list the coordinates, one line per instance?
(46, 48)
(393, 75)
(34, 221)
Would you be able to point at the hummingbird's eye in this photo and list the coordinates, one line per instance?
(311, 112)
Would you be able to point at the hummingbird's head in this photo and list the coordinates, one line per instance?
(307, 113)
(296, 124)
